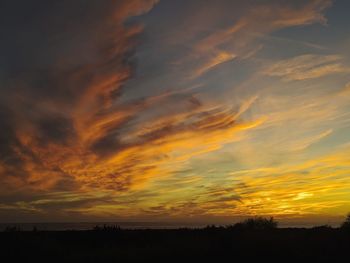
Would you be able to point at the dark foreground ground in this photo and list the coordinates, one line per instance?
(213, 244)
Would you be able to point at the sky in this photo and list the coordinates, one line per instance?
(174, 111)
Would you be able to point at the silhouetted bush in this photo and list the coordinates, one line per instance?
(210, 227)
(12, 229)
(322, 227)
(257, 223)
(346, 223)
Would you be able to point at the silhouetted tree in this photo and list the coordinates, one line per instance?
(107, 228)
(257, 223)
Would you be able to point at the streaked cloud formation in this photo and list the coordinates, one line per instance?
(126, 110)
(307, 67)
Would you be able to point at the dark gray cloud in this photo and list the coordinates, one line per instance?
(55, 129)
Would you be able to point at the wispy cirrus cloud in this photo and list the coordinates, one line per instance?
(239, 39)
(307, 66)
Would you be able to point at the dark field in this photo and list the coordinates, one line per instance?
(322, 244)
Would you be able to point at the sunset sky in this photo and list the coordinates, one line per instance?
(174, 110)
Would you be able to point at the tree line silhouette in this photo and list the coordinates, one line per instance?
(252, 239)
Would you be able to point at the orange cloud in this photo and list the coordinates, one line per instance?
(218, 58)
